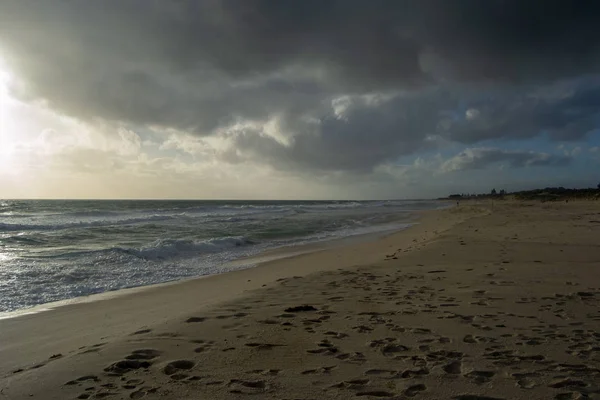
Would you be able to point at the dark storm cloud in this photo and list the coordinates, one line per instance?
(479, 158)
(202, 65)
(362, 136)
(376, 42)
(366, 135)
(565, 112)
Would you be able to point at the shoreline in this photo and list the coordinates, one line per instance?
(471, 303)
(244, 262)
(53, 251)
(133, 309)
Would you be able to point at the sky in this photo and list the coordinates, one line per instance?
(289, 99)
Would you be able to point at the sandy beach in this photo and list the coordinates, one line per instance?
(478, 302)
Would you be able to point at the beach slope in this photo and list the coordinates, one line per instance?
(477, 302)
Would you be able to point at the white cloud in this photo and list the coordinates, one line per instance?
(570, 151)
(186, 143)
(472, 113)
(130, 142)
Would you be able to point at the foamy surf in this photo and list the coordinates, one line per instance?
(56, 250)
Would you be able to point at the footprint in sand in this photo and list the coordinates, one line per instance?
(362, 328)
(353, 358)
(125, 366)
(267, 372)
(201, 349)
(354, 384)
(142, 392)
(376, 393)
(141, 332)
(470, 339)
(268, 321)
(526, 383)
(175, 367)
(263, 346)
(135, 382)
(443, 355)
(322, 370)
(98, 395)
(93, 349)
(413, 390)
(480, 377)
(195, 319)
(336, 335)
(453, 368)
(568, 383)
(568, 396)
(239, 386)
(410, 373)
(421, 331)
(286, 316)
(324, 351)
(143, 354)
(303, 308)
(86, 378)
(390, 350)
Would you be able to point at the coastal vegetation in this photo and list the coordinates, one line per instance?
(542, 194)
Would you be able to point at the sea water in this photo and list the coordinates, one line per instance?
(53, 250)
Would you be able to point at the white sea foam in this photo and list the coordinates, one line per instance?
(169, 248)
(56, 250)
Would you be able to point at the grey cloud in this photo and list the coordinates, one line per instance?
(118, 54)
(361, 137)
(202, 66)
(368, 135)
(479, 158)
(565, 111)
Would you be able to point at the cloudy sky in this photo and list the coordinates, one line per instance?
(296, 98)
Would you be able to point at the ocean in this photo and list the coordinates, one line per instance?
(53, 250)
